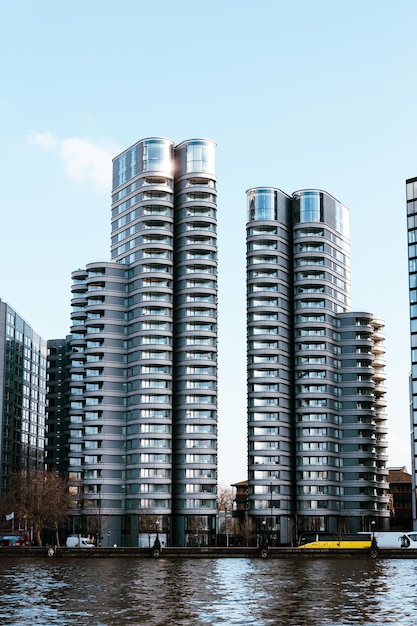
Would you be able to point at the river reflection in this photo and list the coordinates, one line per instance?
(294, 592)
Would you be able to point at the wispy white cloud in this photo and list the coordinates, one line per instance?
(46, 141)
(83, 160)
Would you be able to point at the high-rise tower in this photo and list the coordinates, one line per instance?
(411, 193)
(316, 420)
(143, 438)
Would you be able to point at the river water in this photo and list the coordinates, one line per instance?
(189, 592)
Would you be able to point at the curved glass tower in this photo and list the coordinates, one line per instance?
(321, 291)
(143, 436)
(270, 360)
(143, 241)
(316, 421)
(195, 344)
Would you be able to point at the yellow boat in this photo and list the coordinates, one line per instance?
(335, 540)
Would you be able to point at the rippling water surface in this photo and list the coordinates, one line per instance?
(294, 592)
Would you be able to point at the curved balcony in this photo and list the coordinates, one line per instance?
(378, 362)
(78, 339)
(378, 323)
(77, 329)
(78, 314)
(379, 375)
(380, 403)
(78, 287)
(378, 348)
(380, 390)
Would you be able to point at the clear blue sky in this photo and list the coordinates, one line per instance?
(297, 94)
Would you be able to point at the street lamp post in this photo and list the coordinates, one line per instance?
(263, 537)
(374, 545)
(373, 529)
(225, 527)
(156, 550)
(264, 543)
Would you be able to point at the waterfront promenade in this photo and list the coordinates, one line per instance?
(200, 553)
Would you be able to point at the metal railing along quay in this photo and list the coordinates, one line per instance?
(201, 552)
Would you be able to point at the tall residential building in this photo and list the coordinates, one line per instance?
(22, 396)
(143, 374)
(316, 408)
(57, 397)
(411, 194)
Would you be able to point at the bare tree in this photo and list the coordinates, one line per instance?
(42, 498)
(293, 530)
(342, 525)
(224, 498)
(196, 528)
(5, 507)
(247, 529)
(147, 522)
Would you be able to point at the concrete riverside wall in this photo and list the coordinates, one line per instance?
(192, 553)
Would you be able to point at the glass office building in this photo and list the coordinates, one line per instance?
(143, 374)
(22, 396)
(316, 408)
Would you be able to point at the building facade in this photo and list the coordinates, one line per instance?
(401, 497)
(316, 408)
(57, 397)
(22, 396)
(143, 372)
(411, 195)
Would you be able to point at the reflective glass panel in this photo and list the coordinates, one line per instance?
(262, 204)
(309, 207)
(200, 156)
(157, 155)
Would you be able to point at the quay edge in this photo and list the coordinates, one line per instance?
(205, 552)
